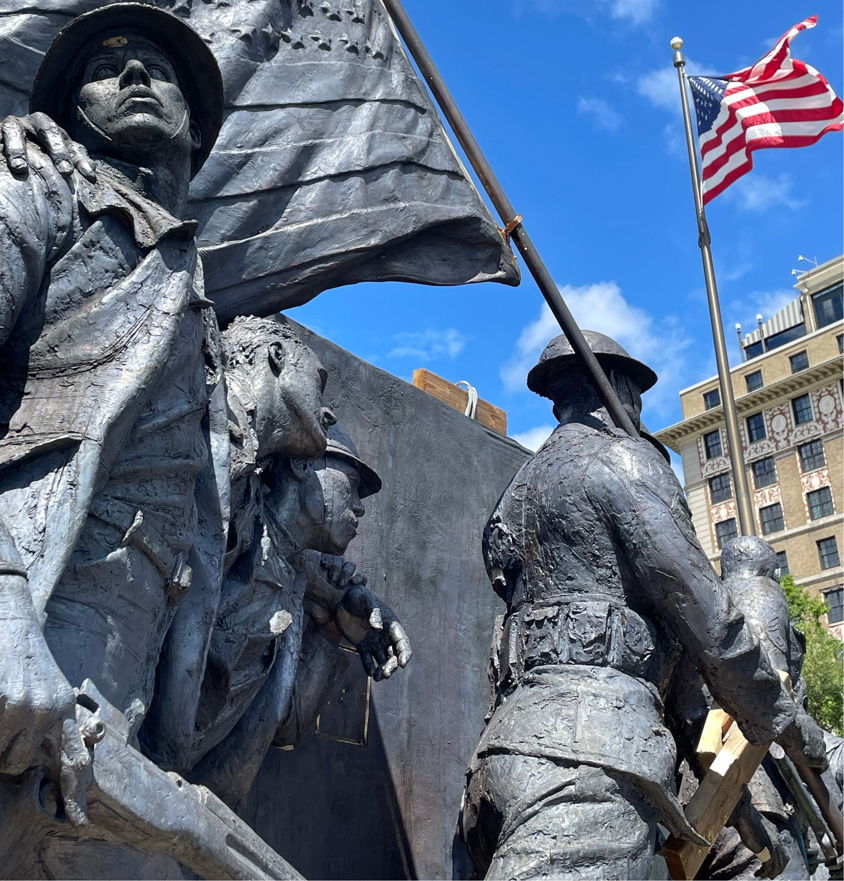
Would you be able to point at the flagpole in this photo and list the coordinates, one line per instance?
(513, 225)
(744, 503)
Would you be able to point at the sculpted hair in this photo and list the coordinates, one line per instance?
(247, 336)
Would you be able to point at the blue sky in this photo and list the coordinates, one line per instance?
(576, 104)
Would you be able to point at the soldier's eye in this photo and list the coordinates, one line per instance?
(158, 73)
(105, 71)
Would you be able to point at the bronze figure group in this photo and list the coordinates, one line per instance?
(176, 504)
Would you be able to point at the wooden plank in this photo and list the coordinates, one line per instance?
(488, 414)
(717, 725)
(714, 801)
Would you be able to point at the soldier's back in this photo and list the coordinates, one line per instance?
(551, 534)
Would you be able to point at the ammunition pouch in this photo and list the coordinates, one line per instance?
(583, 629)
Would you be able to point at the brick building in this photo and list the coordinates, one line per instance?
(789, 394)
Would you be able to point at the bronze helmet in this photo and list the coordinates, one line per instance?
(199, 76)
(559, 358)
(342, 446)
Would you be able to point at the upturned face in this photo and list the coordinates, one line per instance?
(332, 503)
(130, 93)
(291, 420)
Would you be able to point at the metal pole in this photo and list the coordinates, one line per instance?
(512, 222)
(821, 794)
(804, 803)
(744, 504)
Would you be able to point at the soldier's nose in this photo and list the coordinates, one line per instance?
(134, 74)
(328, 419)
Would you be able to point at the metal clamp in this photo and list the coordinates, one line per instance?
(511, 227)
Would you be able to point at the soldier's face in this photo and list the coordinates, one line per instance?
(332, 502)
(288, 385)
(131, 95)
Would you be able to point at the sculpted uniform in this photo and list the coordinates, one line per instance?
(748, 566)
(108, 359)
(593, 550)
(103, 391)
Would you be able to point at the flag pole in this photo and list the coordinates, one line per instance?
(512, 222)
(744, 503)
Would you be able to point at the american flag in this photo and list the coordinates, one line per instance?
(777, 102)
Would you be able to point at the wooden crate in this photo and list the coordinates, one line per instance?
(488, 414)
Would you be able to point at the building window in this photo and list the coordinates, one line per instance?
(720, 488)
(835, 600)
(812, 456)
(765, 472)
(782, 562)
(820, 503)
(754, 350)
(712, 444)
(785, 336)
(771, 517)
(754, 381)
(840, 339)
(828, 550)
(802, 407)
(828, 306)
(756, 427)
(725, 530)
(712, 399)
(799, 362)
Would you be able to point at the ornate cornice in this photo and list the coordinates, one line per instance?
(675, 434)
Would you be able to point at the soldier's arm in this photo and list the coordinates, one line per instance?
(36, 214)
(38, 718)
(648, 512)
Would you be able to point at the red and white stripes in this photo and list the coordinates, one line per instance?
(777, 102)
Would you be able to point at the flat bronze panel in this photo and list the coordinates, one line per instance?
(345, 716)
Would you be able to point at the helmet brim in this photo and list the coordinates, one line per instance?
(58, 76)
(541, 376)
(370, 482)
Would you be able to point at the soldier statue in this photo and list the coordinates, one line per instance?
(288, 599)
(592, 548)
(767, 835)
(105, 335)
(114, 446)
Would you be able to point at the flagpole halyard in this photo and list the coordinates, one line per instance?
(504, 207)
(744, 503)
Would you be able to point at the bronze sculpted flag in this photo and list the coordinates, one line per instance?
(332, 166)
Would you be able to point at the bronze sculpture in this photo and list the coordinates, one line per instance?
(101, 290)
(332, 166)
(593, 550)
(767, 821)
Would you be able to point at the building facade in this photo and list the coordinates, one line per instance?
(789, 395)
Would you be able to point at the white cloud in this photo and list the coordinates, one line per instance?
(759, 192)
(661, 87)
(770, 302)
(602, 307)
(604, 116)
(534, 438)
(637, 11)
(428, 345)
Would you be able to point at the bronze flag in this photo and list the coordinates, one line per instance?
(332, 167)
